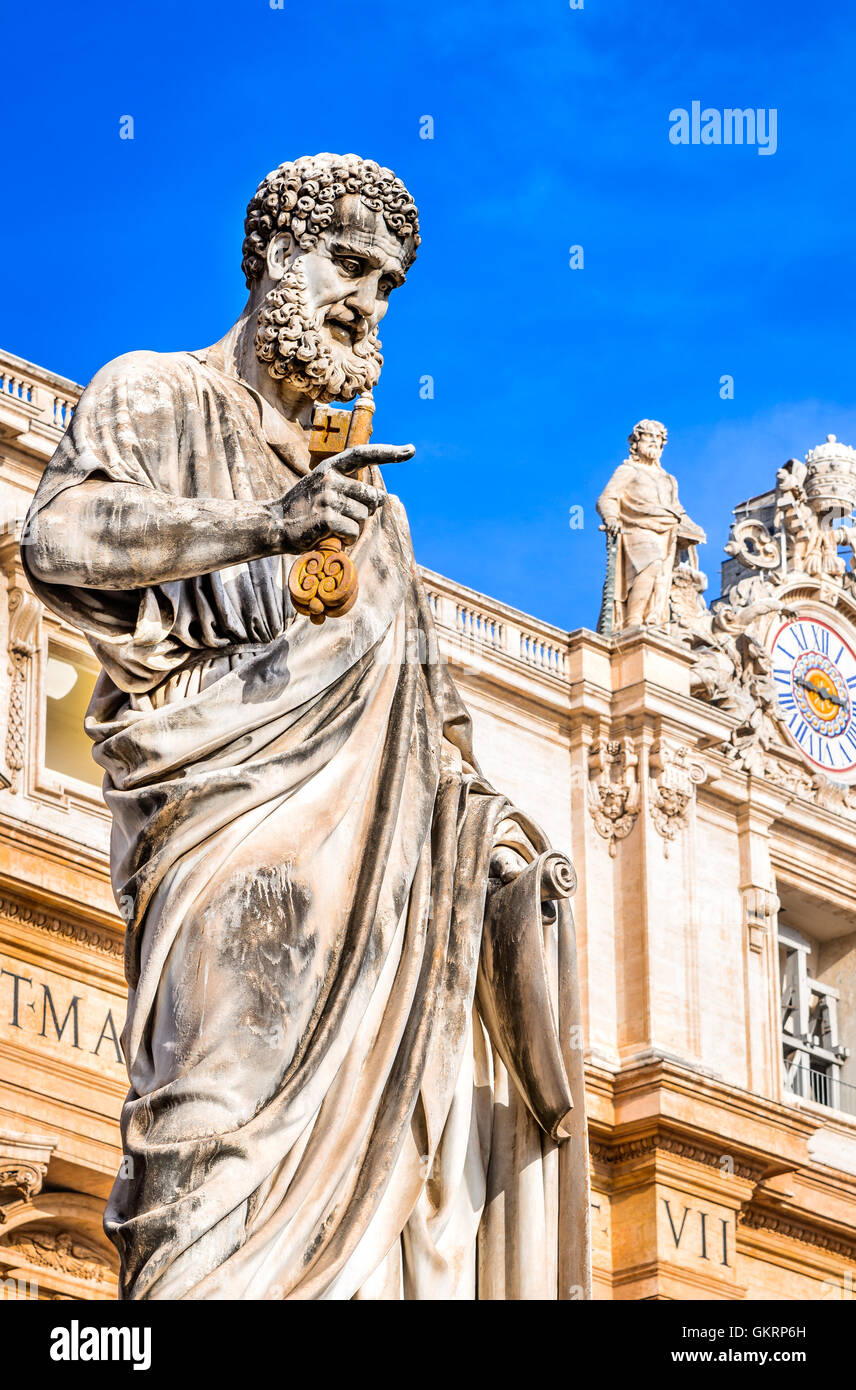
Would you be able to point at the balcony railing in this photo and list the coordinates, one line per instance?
(479, 626)
(41, 397)
(823, 1088)
(16, 386)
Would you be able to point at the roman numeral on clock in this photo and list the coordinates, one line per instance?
(801, 730)
(816, 693)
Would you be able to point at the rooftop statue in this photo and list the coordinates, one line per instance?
(812, 516)
(352, 1034)
(647, 529)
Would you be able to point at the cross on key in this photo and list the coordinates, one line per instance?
(329, 428)
(329, 433)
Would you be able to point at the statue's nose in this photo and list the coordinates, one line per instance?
(363, 297)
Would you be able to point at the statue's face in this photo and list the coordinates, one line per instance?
(649, 447)
(317, 324)
(351, 273)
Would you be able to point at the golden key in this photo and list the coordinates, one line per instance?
(323, 583)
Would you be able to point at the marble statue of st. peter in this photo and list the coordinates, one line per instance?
(352, 1042)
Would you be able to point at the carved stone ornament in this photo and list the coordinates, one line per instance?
(24, 1162)
(751, 543)
(614, 793)
(780, 541)
(17, 910)
(59, 1250)
(673, 778)
(760, 906)
(24, 615)
(760, 1218)
(811, 519)
(732, 668)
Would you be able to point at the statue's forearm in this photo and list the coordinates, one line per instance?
(124, 536)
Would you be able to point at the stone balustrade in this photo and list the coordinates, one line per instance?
(20, 388)
(477, 624)
(35, 405)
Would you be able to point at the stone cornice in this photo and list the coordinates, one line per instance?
(803, 1228)
(105, 939)
(633, 638)
(779, 1189)
(655, 1105)
(665, 1274)
(664, 1075)
(754, 1210)
(678, 1145)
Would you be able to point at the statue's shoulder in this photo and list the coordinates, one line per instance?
(143, 374)
(621, 475)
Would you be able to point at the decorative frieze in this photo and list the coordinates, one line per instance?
(649, 1144)
(762, 1219)
(16, 910)
(60, 1250)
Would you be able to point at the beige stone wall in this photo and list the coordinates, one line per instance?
(531, 764)
(720, 993)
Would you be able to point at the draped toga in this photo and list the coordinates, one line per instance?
(643, 498)
(301, 840)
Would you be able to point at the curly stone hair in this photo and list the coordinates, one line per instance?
(647, 427)
(300, 196)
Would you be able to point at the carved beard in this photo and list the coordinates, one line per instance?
(288, 340)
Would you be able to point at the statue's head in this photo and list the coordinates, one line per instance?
(647, 441)
(328, 238)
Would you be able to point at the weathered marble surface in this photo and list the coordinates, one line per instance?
(334, 1089)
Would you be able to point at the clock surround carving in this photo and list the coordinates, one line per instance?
(788, 572)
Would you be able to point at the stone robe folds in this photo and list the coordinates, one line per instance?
(643, 498)
(300, 847)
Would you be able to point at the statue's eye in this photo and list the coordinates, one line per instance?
(350, 264)
(386, 287)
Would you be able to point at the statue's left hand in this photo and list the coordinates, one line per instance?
(505, 865)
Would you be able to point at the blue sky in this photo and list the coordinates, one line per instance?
(551, 129)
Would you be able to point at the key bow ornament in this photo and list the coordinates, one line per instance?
(323, 583)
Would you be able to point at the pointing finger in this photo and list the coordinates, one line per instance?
(366, 455)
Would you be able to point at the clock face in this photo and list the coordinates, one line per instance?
(814, 668)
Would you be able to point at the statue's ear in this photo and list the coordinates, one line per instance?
(278, 252)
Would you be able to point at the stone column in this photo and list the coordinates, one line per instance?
(21, 631)
(760, 906)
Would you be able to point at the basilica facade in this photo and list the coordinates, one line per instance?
(695, 758)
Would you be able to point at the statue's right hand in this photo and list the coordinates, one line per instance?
(329, 502)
